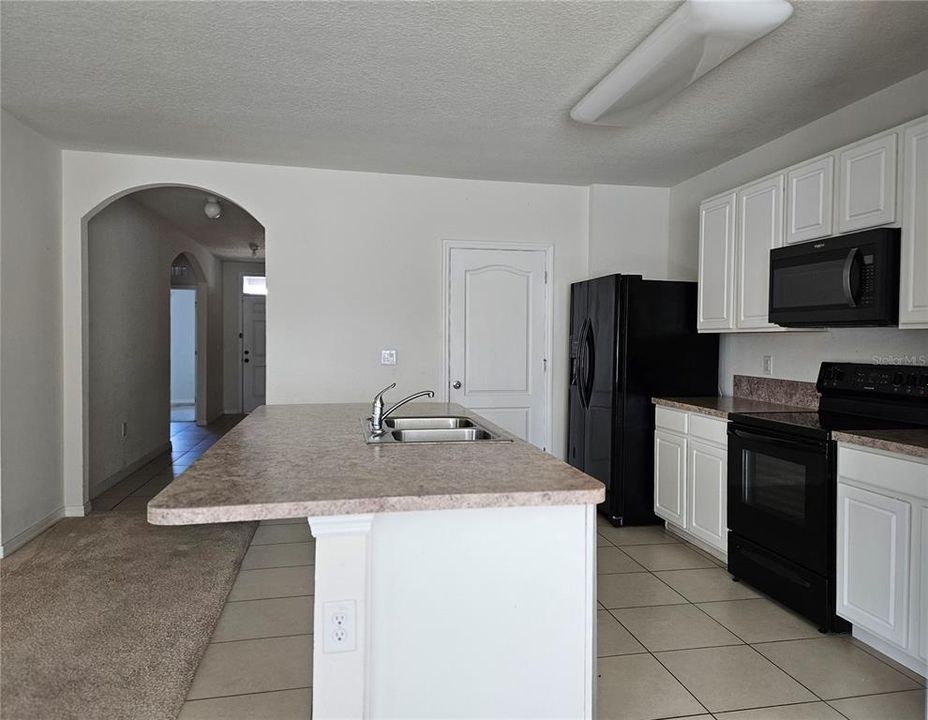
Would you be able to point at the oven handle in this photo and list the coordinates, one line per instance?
(772, 440)
(846, 275)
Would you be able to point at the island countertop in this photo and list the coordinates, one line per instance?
(311, 460)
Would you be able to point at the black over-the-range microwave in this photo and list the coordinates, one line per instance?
(845, 281)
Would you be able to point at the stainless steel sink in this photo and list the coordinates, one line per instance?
(442, 435)
(448, 429)
(428, 423)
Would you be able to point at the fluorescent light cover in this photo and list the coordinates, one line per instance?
(697, 37)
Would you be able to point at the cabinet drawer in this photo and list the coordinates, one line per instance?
(894, 474)
(710, 429)
(668, 419)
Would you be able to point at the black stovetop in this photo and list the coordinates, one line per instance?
(816, 424)
(854, 396)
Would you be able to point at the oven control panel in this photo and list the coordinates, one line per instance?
(891, 380)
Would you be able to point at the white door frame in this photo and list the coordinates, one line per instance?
(446, 247)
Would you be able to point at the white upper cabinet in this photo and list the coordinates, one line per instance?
(810, 190)
(867, 184)
(716, 263)
(913, 280)
(759, 230)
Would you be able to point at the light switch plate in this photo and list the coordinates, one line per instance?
(388, 357)
(768, 365)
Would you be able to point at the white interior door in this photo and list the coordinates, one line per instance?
(498, 324)
(254, 354)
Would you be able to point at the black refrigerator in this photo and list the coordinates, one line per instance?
(630, 339)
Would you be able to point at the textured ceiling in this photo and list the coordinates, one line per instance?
(226, 237)
(458, 89)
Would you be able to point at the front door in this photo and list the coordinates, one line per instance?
(498, 324)
(254, 355)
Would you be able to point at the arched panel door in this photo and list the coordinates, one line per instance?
(497, 320)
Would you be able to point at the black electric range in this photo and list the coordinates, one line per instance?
(782, 481)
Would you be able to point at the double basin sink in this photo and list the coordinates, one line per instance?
(445, 429)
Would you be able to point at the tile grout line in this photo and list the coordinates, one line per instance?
(256, 692)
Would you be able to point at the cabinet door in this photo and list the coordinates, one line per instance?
(913, 301)
(670, 477)
(873, 562)
(716, 263)
(921, 577)
(809, 189)
(867, 184)
(759, 230)
(707, 493)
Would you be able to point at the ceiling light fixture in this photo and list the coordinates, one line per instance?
(212, 208)
(254, 248)
(697, 37)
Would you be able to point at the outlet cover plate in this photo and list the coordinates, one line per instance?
(339, 626)
(388, 357)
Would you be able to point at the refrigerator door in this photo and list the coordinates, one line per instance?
(576, 405)
(600, 369)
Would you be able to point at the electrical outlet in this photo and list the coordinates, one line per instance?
(388, 357)
(339, 625)
(768, 364)
(124, 429)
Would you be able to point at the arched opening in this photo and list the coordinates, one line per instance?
(155, 342)
(189, 298)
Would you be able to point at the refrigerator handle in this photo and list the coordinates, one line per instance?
(586, 364)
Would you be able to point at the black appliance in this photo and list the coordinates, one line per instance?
(846, 281)
(782, 481)
(630, 339)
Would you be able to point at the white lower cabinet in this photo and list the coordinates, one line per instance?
(882, 578)
(670, 476)
(706, 481)
(691, 474)
(873, 561)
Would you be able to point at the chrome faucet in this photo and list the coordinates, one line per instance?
(378, 415)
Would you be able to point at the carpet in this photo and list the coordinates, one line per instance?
(107, 616)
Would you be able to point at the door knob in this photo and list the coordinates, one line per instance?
(456, 384)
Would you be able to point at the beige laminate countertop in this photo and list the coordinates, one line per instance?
(311, 460)
(723, 406)
(912, 442)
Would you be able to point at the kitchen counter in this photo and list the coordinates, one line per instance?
(912, 442)
(476, 557)
(723, 406)
(312, 460)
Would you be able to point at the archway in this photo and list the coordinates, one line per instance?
(130, 246)
(189, 319)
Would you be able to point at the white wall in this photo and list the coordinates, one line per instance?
(353, 264)
(797, 355)
(629, 233)
(183, 345)
(130, 251)
(30, 332)
(231, 326)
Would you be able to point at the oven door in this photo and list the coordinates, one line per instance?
(779, 489)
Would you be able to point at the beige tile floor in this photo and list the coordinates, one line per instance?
(676, 637)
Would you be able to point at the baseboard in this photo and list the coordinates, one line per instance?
(122, 474)
(77, 510)
(181, 403)
(37, 528)
(890, 651)
(693, 540)
(232, 411)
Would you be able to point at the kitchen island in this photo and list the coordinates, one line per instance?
(451, 580)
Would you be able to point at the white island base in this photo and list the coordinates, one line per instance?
(464, 613)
